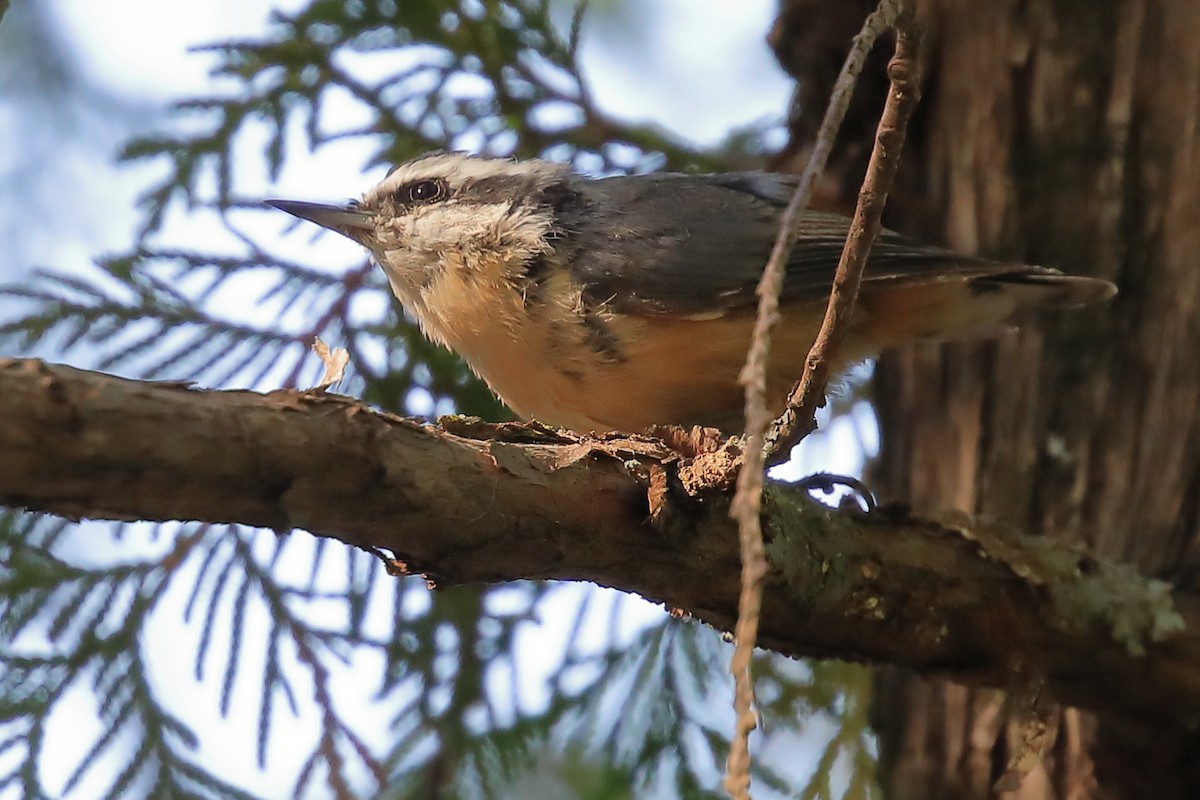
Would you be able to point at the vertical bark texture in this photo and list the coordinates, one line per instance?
(1063, 133)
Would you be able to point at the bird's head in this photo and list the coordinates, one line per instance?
(447, 210)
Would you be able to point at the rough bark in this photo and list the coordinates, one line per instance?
(1066, 134)
(507, 502)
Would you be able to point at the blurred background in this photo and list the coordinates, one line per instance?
(176, 661)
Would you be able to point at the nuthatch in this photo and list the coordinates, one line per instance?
(625, 302)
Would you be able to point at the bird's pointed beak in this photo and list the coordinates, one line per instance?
(347, 220)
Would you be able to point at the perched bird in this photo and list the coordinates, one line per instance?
(624, 302)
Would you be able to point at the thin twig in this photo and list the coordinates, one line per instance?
(747, 502)
(798, 419)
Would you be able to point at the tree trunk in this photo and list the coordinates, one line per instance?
(1065, 134)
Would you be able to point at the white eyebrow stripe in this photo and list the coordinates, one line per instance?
(459, 168)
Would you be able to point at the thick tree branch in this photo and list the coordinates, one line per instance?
(476, 502)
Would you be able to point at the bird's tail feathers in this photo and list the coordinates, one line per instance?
(1044, 287)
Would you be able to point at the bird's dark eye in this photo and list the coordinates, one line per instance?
(423, 191)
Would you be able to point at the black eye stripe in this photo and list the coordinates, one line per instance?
(420, 192)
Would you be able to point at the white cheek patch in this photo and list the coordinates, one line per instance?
(451, 244)
(494, 229)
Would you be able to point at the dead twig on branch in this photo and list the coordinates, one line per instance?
(747, 504)
(798, 419)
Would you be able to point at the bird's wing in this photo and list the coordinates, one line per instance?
(689, 245)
